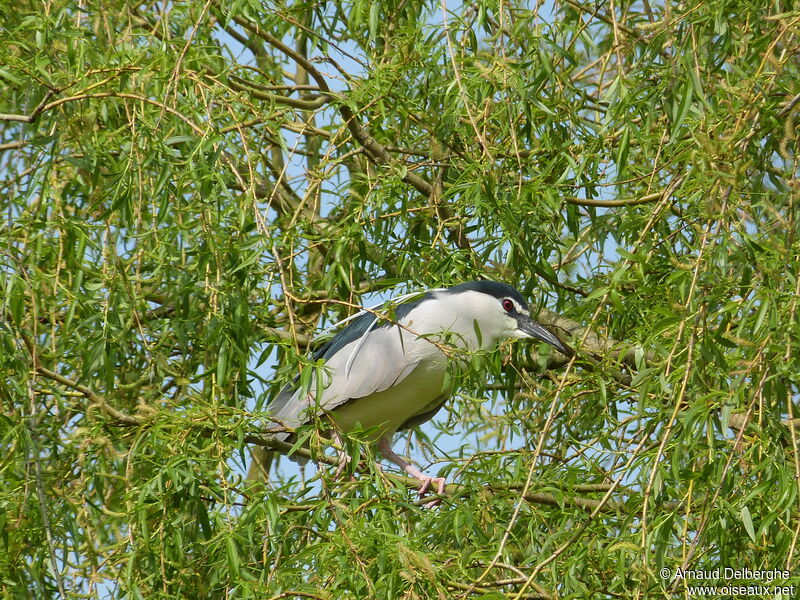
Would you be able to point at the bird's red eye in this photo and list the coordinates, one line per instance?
(508, 305)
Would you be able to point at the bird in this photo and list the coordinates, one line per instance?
(386, 371)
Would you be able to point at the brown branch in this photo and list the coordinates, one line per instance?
(117, 415)
(159, 312)
(587, 504)
(787, 108)
(612, 203)
(310, 104)
(46, 107)
(89, 394)
(302, 340)
(487, 588)
(288, 88)
(452, 490)
(594, 348)
(273, 88)
(595, 344)
(673, 185)
(304, 128)
(378, 154)
(12, 145)
(36, 111)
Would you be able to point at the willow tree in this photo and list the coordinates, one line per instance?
(192, 190)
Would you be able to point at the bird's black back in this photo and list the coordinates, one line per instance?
(362, 323)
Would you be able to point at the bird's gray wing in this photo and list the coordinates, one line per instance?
(375, 361)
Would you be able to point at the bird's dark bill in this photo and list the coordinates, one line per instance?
(531, 328)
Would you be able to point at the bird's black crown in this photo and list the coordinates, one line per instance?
(492, 288)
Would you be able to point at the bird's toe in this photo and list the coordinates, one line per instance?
(344, 460)
(438, 483)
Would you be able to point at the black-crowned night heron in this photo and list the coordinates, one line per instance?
(388, 374)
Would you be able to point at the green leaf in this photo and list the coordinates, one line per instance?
(232, 554)
(622, 153)
(374, 15)
(222, 363)
(747, 521)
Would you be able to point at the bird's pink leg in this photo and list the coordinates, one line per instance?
(389, 454)
(342, 456)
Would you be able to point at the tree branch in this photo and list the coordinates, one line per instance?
(117, 415)
(452, 490)
(122, 417)
(12, 145)
(378, 154)
(613, 203)
(315, 103)
(30, 118)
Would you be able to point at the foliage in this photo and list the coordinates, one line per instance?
(191, 189)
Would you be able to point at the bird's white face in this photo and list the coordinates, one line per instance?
(506, 318)
(512, 312)
(477, 321)
(483, 320)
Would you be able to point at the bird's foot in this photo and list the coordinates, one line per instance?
(344, 459)
(427, 481)
(438, 484)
